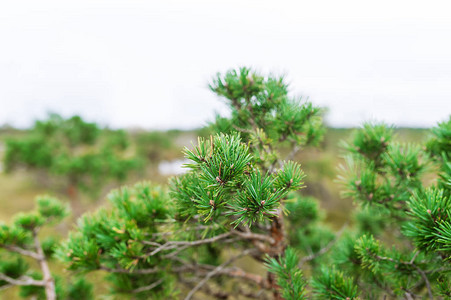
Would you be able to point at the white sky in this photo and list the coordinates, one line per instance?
(148, 63)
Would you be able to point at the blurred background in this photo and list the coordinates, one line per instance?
(147, 64)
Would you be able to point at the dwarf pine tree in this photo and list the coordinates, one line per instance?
(21, 247)
(229, 206)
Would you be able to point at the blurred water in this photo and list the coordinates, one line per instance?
(173, 167)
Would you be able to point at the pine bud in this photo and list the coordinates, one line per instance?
(262, 202)
(212, 203)
(429, 211)
(358, 182)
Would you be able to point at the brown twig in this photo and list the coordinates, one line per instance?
(49, 283)
(23, 280)
(324, 249)
(127, 271)
(21, 251)
(148, 287)
(216, 271)
(176, 244)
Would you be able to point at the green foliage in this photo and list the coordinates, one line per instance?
(380, 172)
(302, 210)
(238, 200)
(33, 291)
(86, 155)
(51, 209)
(155, 146)
(332, 284)
(14, 235)
(223, 180)
(229, 204)
(306, 231)
(264, 112)
(371, 220)
(113, 240)
(80, 289)
(13, 267)
(21, 240)
(430, 226)
(372, 141)
(387, 180)
(440, 141)
(289, 276)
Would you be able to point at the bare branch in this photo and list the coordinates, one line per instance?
(242, 129)
(254, 236)
(48, 279)
(126, 271)
(148, 287)
(172, 254)
(176, 244)
(293, 152)
(216, 271)
(21, 251)
(425, 278)
(240, 273)
(23, 280)
(324, 249)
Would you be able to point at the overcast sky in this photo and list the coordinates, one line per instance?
(148, 63)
